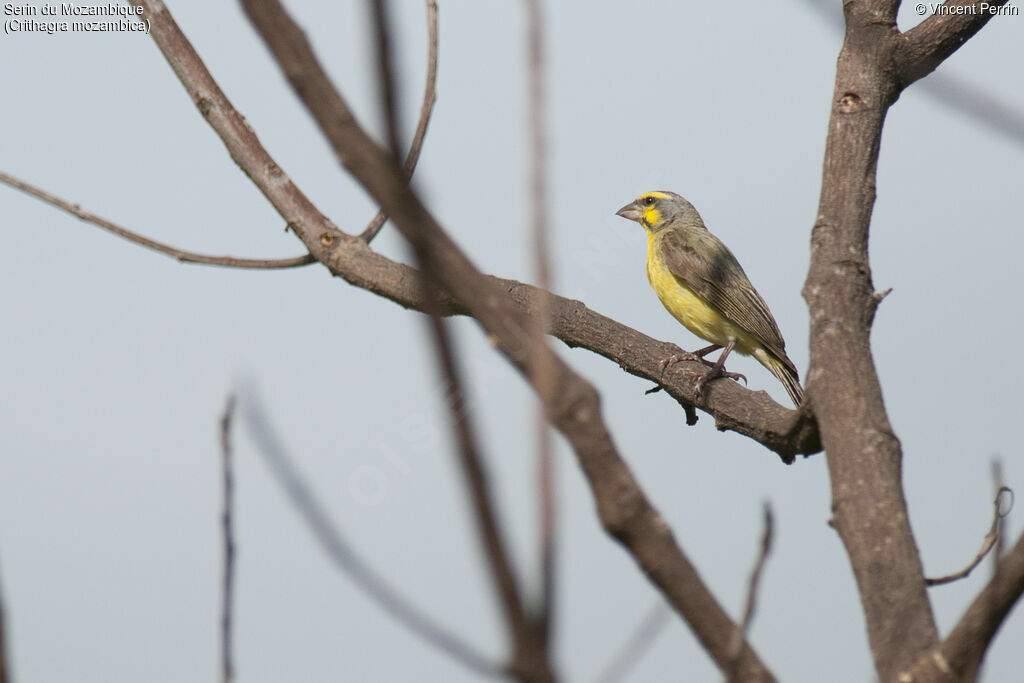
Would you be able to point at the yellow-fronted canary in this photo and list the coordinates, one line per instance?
(704, 287)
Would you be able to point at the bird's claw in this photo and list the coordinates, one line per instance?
(713, 374)
(678, 357)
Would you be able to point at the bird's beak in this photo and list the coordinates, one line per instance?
(631, 211)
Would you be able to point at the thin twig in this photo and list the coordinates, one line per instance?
(743, 627)
(637, 644)
(227, 529)
(341, 553)
(989, 542)
(998, 483)
(386, 73)
(5, 666)
(545, 376)
(179, 254)
(529, 658)
(959, 656)
(426, 109)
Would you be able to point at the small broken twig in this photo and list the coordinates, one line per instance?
(987, 543)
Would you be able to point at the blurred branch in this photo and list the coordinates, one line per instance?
(426, 109)
(989, 542)
(529, 660)
(341, 553)
(5, 665)
(386, 76)
(227, 527)
(636, 645)
(179, 254)
(575, 408)
(751, 602)
(545, 374)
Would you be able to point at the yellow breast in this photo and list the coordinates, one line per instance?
(688, 308)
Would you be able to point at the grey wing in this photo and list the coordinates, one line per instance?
(702, 262)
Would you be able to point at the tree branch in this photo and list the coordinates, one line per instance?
(929, 43)
(5, 664)
(989, 542)
(179, 254)
(959, 656)
(750, 603)
(529, 660)
(752, 414)
(864, 455)
(426, 109)
(228, 535)
(544, 381)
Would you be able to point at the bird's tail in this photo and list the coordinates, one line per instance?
(786, 373)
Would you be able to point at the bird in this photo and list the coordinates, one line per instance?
(704, 287)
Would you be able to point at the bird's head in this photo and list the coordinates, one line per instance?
(656, 210)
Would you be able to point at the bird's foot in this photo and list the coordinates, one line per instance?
(685, 355)
(716, 372)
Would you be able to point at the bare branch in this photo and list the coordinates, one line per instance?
(574, 409)
(755, 579)
(341, 553)
(5, 665)
(960, 654)
(179, 254)
(752, 414)
(529, 659)
(929, 43)
(636, 645)
(426, 109)
(957, 93)
(989, 542)
(864, 456)
(544, 380)
(386, 73)
(227, 528)
(999, 484)
(301, 216)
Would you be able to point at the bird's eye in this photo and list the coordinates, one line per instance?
(648, 200)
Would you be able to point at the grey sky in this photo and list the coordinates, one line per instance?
(115, 362)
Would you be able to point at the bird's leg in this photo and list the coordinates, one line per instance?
(697, 356)
(718, 370)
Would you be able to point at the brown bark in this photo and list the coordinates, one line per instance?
(864, 455)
